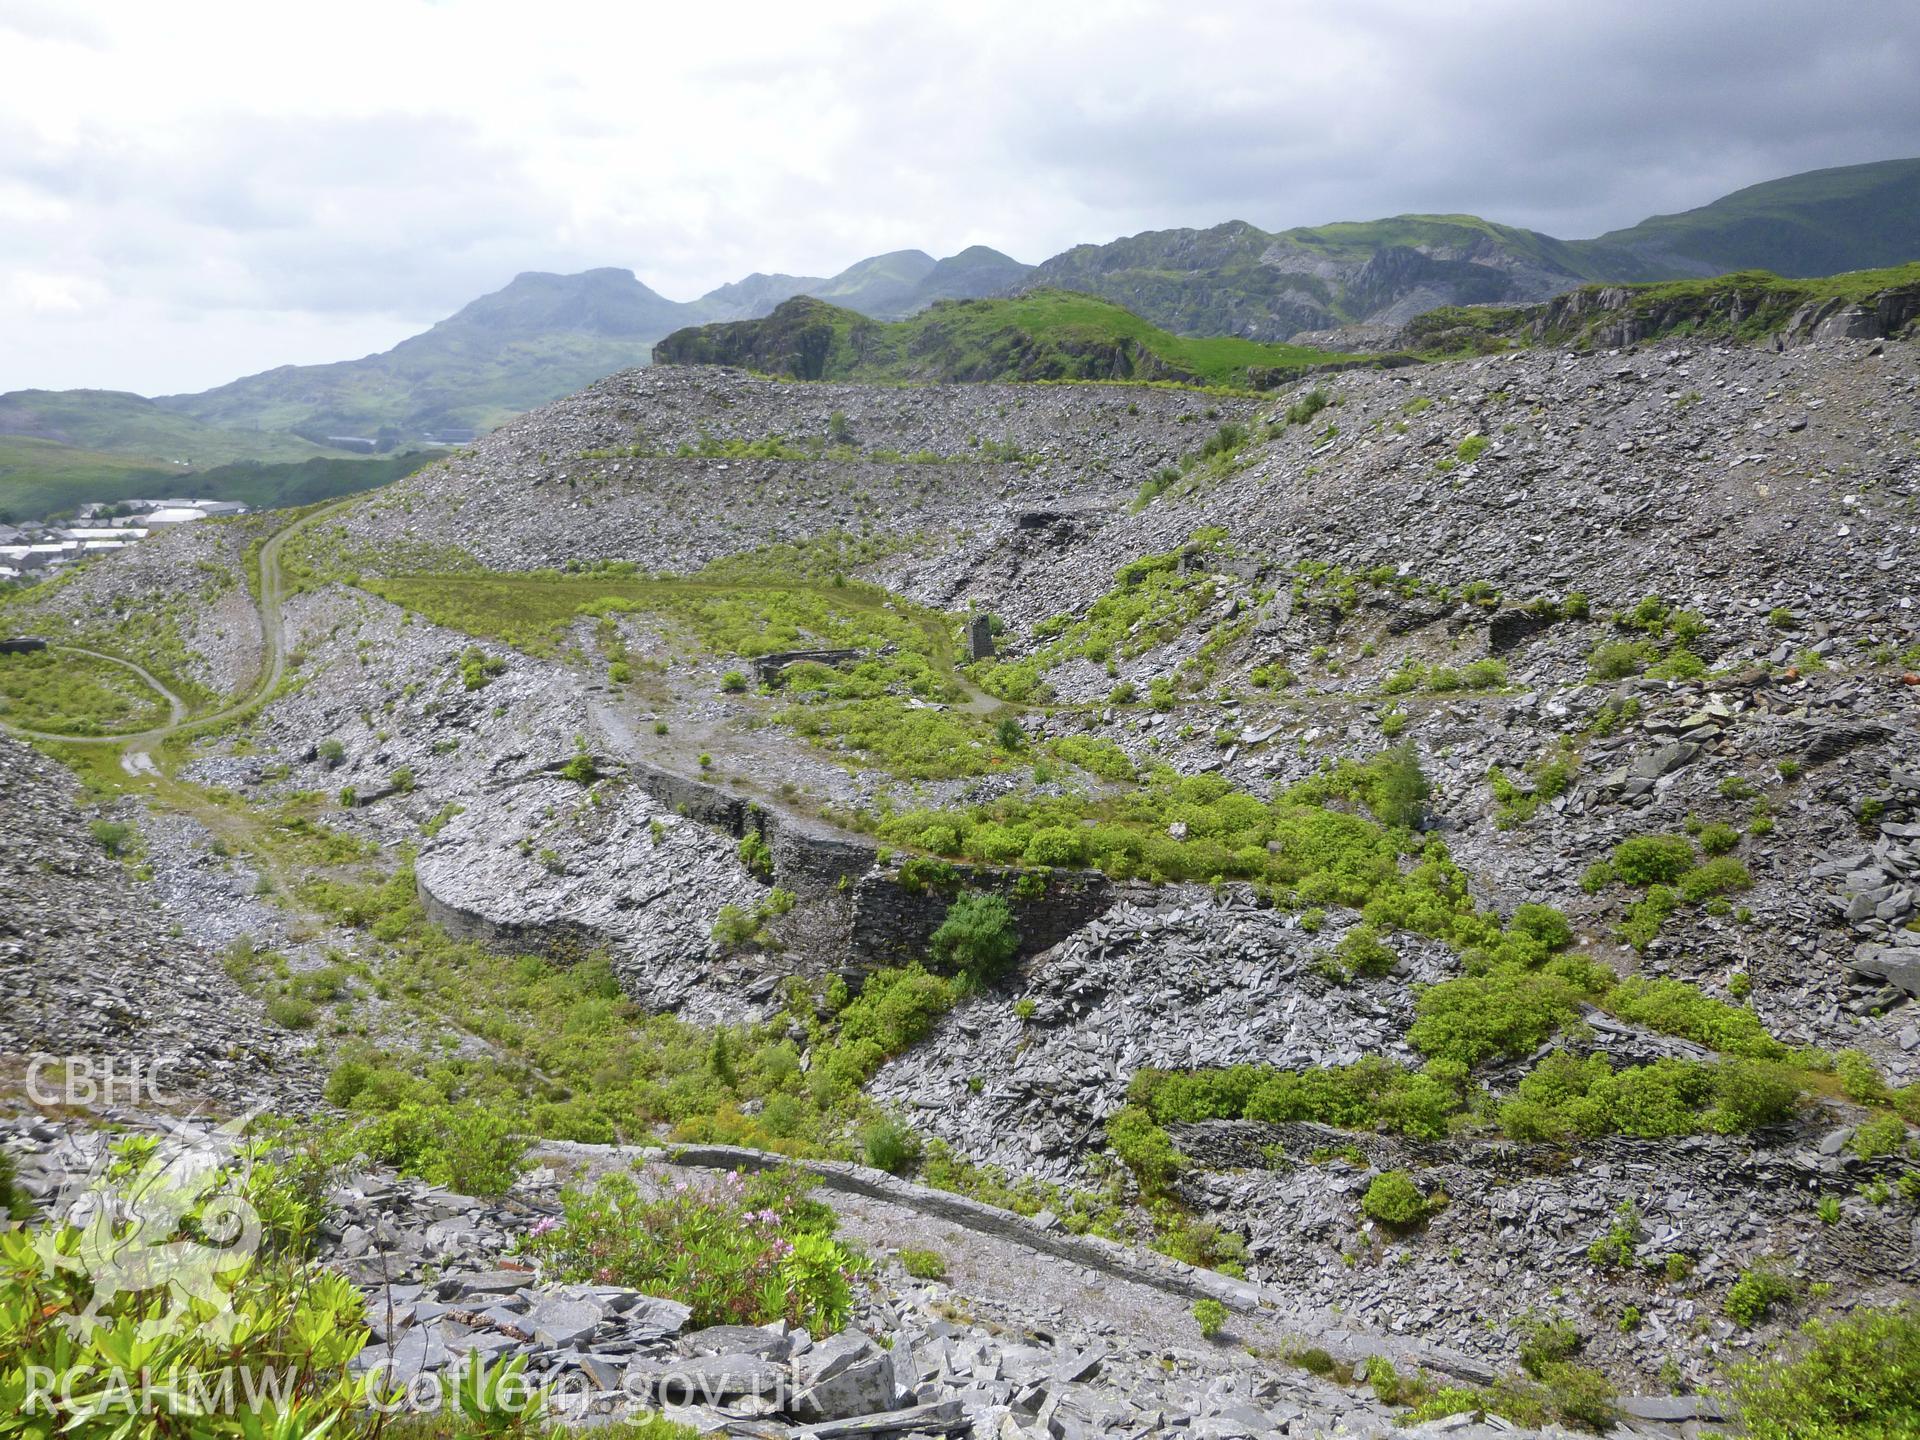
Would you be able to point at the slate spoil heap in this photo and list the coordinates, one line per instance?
(1664, 594)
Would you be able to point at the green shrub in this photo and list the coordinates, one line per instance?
(894, 1010)
(1314, 1360)
(1210, 1316)
(330, 753)
(1543, 923)
(1393, 1199)
(292, 1012)
(1653, 859)
(112, 836)
(977, 938)
(1546, 1342)
(1580, 1396)
(733, 682)
(747, 1251)
(890, 1144)
(1753, 1296)
(924, 1264)
(1880, 1135)
(1306, 407)
(1720, 876)
(1852, 1378)
(1718, 838)
(1485, 674)
(1564, 1096)
(1401, 789)
(1478, 1017)
(1362, 952)
(1859, 1077)
(1617, 659)
(1674, 1007)
(478, 669)
(1145, 1149)
(755, 854)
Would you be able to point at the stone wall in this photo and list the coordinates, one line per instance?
(852, 914)
(558, 940)
(893, 918)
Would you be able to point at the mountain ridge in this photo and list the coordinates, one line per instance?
(546, 334)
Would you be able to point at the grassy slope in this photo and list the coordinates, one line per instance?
(467, 380)
(1746, 305)
(113, 422)
(39, 479)
(59, 448)
(1849, 218)
(1042, 335)
(1357, 240)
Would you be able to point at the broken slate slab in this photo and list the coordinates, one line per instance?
(944, 1416)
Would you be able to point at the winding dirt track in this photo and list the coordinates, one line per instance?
(138, 756)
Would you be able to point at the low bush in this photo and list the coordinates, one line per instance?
(1855, 1377)
(1674, 1007)
(746, 1251)
(1476, 1018)
(1145, 1149)
(112, 836)
(1210, 1316)
(1370, 1094)
(890, 1144)
(1859, 1077)
(1394, 1199)
(1652, 859)
(1564, 1097)
(924, 1264)
(1754, 1295)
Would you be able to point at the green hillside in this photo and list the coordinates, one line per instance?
(1042, 335)
(540, 337)
(114, 422)
(881, 286)
(62, 448)
(1239, 279)
(1747, 305)
(1854, 217)
(40, 479)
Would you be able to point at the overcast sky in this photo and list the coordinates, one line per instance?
(195, 191)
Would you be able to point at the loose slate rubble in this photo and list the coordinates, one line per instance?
(910, 1364)
(91, 977)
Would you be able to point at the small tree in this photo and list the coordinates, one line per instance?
(1402, 790)
(977, 938)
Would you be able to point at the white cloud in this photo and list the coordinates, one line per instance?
(39, 292)
(245, 183)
